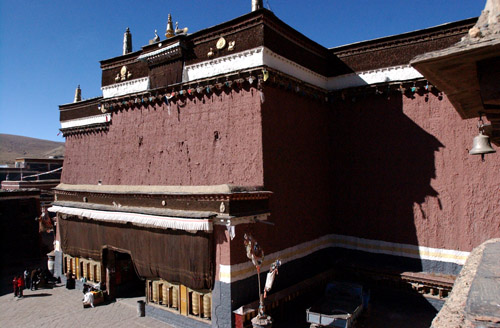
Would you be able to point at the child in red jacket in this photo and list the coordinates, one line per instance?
(20, 285)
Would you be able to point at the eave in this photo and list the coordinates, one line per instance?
(463, 74)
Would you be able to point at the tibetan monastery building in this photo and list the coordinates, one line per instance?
(335, 158)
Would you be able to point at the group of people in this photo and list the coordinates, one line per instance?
(30, 278)
(18, 285)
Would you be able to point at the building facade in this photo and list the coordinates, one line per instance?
(341, 157)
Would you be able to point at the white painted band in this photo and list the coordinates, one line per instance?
(89, 120)
(123, 88)
(383, 75)
(261, 56)
(155, 221)
(235, 272)
(223, 65)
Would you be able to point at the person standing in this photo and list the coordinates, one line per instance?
(33, 279)
(27, 275)
(14, 285)
(20, 285)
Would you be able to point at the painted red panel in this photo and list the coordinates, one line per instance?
(208, 141)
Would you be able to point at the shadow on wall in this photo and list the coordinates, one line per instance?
(383, 165)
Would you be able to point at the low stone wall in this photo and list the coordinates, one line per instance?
(454, 313)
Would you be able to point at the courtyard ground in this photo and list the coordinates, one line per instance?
(60, 307)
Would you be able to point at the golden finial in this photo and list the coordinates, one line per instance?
(170, 27)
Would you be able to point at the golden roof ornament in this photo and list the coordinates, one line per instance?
(78, 94)
(221, 43)
(156, 38)
(180, 30)
(170, 27)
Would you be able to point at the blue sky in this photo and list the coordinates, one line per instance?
(47, 48)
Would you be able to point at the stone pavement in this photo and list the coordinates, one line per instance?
(60, 307)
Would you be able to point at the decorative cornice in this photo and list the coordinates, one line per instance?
(255, 57)
(169, 52)
(127, 87)
(194, 197)
(85, 121)
(223, 65)
(400, 40)
(262, 56)
(100, 127)
(229, 191)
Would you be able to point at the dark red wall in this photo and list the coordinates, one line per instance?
(395, 169)
(149, 146)
(403, 174)
(297, 169)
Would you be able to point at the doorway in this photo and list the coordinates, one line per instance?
(122, 276)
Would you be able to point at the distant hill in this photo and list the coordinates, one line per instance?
(12, 147)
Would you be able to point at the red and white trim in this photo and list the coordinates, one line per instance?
(262, 56)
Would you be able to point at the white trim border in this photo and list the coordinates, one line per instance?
(383, 75)
(123, 88)
(236, 272)
(262, 56)
(89, 120)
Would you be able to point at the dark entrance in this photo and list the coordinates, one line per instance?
(121, 276)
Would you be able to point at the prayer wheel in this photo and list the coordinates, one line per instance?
(85, 272)
(67, 263)
(175, 297)
(155, 291)
(98, 272)
(207, 306)
(92, 273)
(195, 303)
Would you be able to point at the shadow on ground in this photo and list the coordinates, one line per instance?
(37, 295)
(387, 308)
